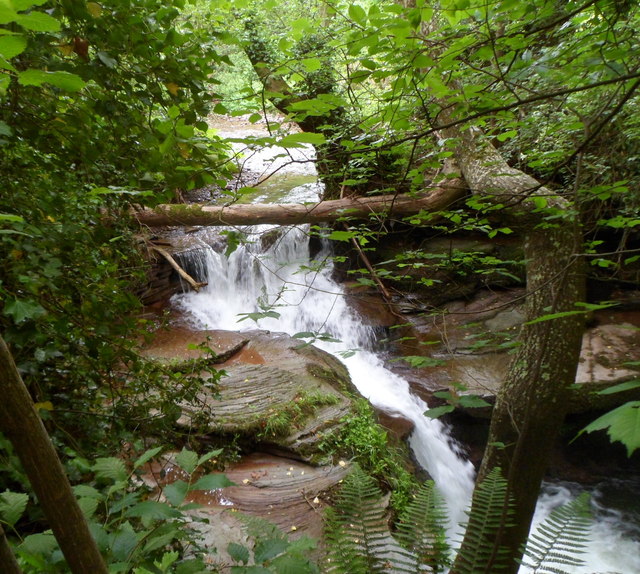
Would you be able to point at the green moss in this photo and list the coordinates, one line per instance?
(361, 439)
(293, 414)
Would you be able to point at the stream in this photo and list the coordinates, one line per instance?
(277, 285)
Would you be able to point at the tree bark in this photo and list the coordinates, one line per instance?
(383, 206)
(8, 563)
(20, 422)
(532, 401)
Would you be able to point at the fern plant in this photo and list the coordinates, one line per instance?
(560, 539)
(492, 511)
(358, 536)
(422, 529)
(359, 540)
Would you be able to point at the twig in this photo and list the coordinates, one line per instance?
(190, 280)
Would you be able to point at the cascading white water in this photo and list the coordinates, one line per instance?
(284, 279)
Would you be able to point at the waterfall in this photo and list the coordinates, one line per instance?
(283, 279)
(275, 278)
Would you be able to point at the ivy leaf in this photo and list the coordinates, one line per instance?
(622, 425)
(212, 482)
(12, 506)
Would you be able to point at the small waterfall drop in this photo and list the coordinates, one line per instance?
(273, 276)
(295, 293)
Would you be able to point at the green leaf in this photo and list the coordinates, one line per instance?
(11, 46)
(187, 460)
(436, 412)
(88, 506)
(107, 60)
(418, 361)
(176, 492)
(22, 5)
(211, 482)
(626, 386)
(168, 558)
(153, 510)
(63, 80)
(473, 402)
(357, 14)
(267, 549)
(43, 543)
(38, 22)
(342, 235)
(111, 467)
(86, 491)
(238, 552)
(9, 216)
(12, 506)
(22, 310)
(622, 425)
(296, 140)
(7, 13)
(146, 456)
(209, 455)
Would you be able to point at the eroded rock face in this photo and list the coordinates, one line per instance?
(473, 341)
(276, 392)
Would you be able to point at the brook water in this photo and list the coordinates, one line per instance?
(293, 292)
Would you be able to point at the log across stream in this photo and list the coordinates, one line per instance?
(282, 288)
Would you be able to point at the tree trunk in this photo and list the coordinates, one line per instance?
(8, 563)
(20, 422)
(533, 398)
(383, 206)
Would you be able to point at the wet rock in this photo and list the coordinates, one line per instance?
(397, 425)
(275, 392)
(288, 493)
(474, 341)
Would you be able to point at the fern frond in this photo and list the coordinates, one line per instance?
(491, 512)
(358, 536)
(422, 528)
(560, 539)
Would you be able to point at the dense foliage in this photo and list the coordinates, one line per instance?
(103, 107)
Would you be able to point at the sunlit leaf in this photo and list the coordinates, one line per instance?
(38, 22)
(622, 424)
(11, 46)
(296, 140)
(63, 80)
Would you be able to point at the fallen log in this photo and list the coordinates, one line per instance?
(437, 198)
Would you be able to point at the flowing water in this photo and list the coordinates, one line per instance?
(276, 285)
